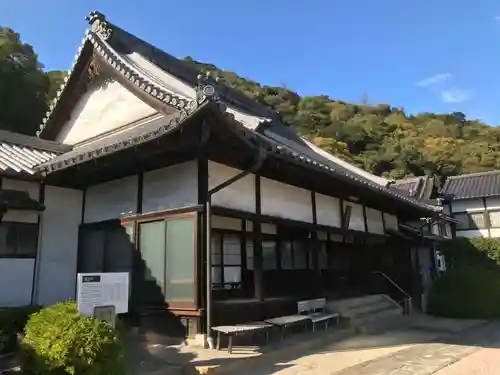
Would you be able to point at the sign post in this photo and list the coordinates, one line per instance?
(103, 295)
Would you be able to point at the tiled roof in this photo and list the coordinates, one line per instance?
(20, 153)
(420, 187)
(474, 185)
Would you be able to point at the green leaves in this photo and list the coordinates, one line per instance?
(59, 341)
(380, 138)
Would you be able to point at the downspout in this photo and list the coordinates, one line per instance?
(208, 217)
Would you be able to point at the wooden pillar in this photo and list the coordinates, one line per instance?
(258, 276)
(315, 247)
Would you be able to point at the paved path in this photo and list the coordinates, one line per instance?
(485, 361)
(400, 353)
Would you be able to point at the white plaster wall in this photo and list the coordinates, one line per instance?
(285, 201)
(111, 200)
(328, 210)
(170, 187)
(57, 255)
(374, 221)
(101, 110)
(495, 232)
(239, 195)
(391, 221)
(472, 233)
(357, 221)
(493, 203)
(467, 205)
(16, 280)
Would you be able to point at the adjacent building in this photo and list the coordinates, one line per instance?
(475, 203)
(217, 209)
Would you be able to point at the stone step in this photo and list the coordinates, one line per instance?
(352, 303)
(376, 316)
(369, 308)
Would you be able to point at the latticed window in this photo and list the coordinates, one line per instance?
(494, 219)
(478, 220)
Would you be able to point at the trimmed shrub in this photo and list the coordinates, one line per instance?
(467, 292)
(12, 322)
(58, 340)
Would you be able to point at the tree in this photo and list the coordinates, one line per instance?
(23, 85)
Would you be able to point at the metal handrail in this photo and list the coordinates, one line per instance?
(407, 300)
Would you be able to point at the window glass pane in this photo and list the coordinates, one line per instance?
(323, 257)
(27, 237)
(495, 219)
(231, 249)
(478, 220)
(300, 255)
(92, 250)
(216, 275)
(463, 218)
(269, 254)
(215, 250)
(286, 255)
(119, 249)
(152, 247)
(336, 237)
(180, 259)
(232, 275)
(249, 253)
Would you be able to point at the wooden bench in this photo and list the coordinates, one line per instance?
(240, 329)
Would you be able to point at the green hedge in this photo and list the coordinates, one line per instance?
(467, 292)
(12, 322)
(59, 341)
(470, 288)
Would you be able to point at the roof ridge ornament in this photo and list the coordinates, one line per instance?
(99, 25)
(207, 86)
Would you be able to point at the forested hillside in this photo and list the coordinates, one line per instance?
(380, 138)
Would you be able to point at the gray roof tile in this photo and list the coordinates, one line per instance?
(474, 185)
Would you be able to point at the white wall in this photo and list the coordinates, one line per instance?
(328, 210)
(468, 205)
(285, 201)
(171, 187)
(101, 110)
(471, 206)
(239, 195)
(357, 220)
(391, 221)
(111, 200)
(374, 221)
(16, 274)
(57, 255)
(16, 280)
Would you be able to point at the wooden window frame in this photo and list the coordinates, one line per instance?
(162, 216)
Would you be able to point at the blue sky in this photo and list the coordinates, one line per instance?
(425, 55)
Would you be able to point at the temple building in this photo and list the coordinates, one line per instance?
(219, 211)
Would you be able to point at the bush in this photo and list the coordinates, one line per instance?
(468, 292)
(59, 341)
(12, 322)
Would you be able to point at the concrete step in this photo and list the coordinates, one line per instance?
(386, 314)
(368, 309)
